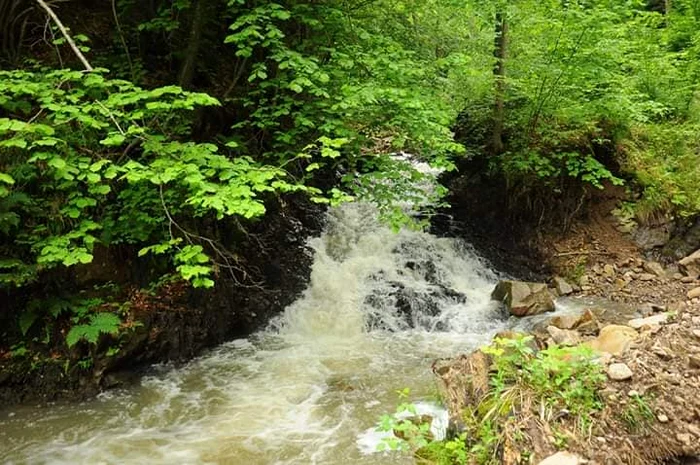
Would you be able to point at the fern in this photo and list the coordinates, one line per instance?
(100, 323)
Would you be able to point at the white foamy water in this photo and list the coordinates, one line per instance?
(380, 307)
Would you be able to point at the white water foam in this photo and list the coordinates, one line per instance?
(379, 309)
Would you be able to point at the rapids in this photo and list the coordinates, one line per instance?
(379, 308)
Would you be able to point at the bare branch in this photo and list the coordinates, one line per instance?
(64, 31)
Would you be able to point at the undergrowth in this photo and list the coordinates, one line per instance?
(664, 160)
(557, 387)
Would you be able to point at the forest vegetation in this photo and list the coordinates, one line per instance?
(162, 130)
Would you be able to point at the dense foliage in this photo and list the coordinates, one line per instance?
(198, 112)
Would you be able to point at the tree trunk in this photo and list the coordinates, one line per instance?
(499, 73)
(189, 64)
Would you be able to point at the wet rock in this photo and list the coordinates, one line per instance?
(619, 372)
(690, 265)
(565, 337)
(654, 268)
(650, 321)
(415, 308)
(563, 458)
(614, 339)
(694, 293)
(585, 323)
(562, 286)
(524, 298)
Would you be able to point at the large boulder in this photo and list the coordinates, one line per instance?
(691, 264)
(523, 298)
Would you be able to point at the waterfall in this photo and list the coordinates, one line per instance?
(379, 308)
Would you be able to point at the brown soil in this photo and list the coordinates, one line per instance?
(665, 360)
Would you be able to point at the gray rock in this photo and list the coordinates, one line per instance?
(565, 337)
(650, 237)
(562, 286)
(523, 298)
(619, 372)
(690, 265)
(655, 320)
(654, 268)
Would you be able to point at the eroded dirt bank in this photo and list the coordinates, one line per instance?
(647, 335)
(169, 321)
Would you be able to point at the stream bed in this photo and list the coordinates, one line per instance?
(379, 309)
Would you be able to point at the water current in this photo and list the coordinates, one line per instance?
(379, 308)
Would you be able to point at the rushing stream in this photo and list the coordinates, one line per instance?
(379, 309)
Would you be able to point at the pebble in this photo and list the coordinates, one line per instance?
(685, 438)
(646, 277)
(694, 362)
(687, 279)
(649, 321)
(654, 268)
(563, 458)
(694, 293)
(565, 337)
(696, 333)
(619, 372)
(662, 418)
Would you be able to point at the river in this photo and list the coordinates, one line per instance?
(379, 308)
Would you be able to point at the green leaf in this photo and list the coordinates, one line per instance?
(100, 323)
(26, 320)
(57, 162)
(113, 140)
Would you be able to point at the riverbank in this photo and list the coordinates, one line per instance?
(644, 318)
(170, 321)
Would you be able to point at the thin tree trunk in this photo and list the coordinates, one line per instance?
(64, 31)
(194, 45)
(499, 72)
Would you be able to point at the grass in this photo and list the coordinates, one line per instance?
(637, 416)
